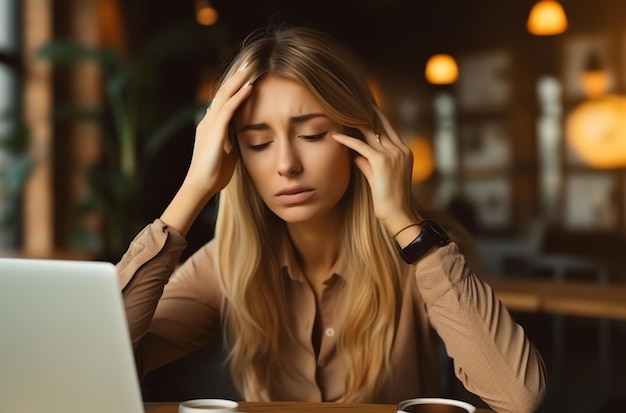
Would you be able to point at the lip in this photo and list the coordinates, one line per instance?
(294, 196)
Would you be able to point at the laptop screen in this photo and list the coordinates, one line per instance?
(64, 341)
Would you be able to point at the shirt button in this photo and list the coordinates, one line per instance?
(330, 332)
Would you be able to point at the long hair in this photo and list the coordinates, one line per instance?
(248, 256)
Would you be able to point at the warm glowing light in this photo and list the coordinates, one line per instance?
(205, 13)
(441, 69)
(547, 18)
(207, 16)
(595, 79)
(423, 159)
(595, 83)
(596, 130)
(111, 26)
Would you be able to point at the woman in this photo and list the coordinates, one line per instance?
(324, 277)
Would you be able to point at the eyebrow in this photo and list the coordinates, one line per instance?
(293, 119)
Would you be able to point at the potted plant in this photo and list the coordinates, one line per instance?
(135, 126)
(15, 167)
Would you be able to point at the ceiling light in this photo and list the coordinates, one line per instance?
(441, 69)
(547, 18)
(206, 14)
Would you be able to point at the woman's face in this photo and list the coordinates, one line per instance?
(300, 171)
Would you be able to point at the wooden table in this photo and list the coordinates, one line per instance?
(576, 298)
(293, 407)
(560, 298)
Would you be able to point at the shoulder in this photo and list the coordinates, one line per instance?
(200, 269)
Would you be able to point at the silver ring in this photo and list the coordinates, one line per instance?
(378, 139)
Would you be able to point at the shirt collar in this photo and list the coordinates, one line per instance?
(289, 261)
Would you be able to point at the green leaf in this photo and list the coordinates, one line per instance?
(64, 52)
(14, 174)
(168, 129)
(16, 142)
(17, 136)
(86, 240)
(79, 112)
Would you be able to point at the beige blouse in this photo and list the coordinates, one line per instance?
(441, 299)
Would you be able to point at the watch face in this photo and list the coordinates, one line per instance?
(432, 235)
(438, 230)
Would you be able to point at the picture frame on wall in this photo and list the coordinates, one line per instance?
(590, 201)
(485, 81)
(492, 199)
(485, 145)
(580, 53)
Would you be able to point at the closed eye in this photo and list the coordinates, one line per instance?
(313, 138)
(260, 147)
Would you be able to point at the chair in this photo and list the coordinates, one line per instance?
(200, 374)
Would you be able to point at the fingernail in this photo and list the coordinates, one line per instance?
(248, 83)
(243, 66)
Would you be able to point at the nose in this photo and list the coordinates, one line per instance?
(288, 162)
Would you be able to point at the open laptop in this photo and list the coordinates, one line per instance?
(64, 340)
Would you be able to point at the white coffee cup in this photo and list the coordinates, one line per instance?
(435, 401)
(208, 405)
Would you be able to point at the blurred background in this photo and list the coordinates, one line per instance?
(515, 111)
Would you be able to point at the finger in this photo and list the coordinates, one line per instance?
(365, 167)
(364, 149)
(368, 136)
(230, 106)
(231, 86)
(388, 129)
(216, 123)
(228, 110)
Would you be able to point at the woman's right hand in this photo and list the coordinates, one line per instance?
(214, 157)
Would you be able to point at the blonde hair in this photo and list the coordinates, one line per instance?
(248, 256)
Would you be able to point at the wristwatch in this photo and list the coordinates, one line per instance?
(432, 235)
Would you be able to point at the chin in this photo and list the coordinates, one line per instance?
(293, 217)
(297, 214)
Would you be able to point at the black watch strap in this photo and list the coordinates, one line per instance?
(432, 235)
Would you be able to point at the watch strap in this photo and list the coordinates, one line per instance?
(432, 235)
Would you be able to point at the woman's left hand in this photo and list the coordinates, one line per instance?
(387, 163)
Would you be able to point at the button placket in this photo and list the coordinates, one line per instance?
(328, 311)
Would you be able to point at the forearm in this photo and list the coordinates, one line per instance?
(493, 357)
(143, 272)
(185, 207)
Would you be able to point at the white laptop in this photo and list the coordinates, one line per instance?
(64, 340)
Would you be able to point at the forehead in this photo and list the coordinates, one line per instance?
(276, 98)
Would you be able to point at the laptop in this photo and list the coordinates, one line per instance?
(64, 341)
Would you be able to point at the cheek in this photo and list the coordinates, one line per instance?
(344, 158)
(339, 166)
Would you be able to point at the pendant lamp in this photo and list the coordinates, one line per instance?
(441, 69)
(595, 79)
(206, 14)
(596, 130)
(547, 18)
